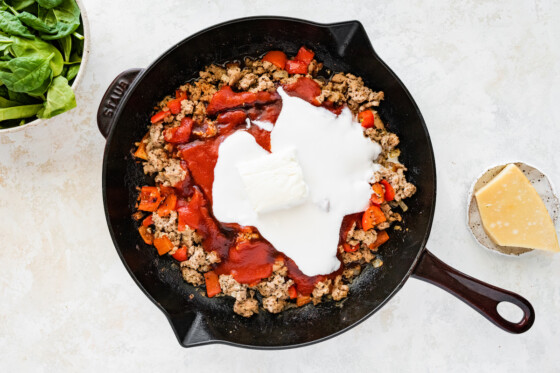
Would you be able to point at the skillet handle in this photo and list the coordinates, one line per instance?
(112, 98)
(481, 296)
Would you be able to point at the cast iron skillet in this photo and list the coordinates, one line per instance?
(196, 320)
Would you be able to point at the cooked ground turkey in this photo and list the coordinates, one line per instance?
(254, 75)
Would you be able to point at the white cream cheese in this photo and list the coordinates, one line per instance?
(273, 181)
(267, 126)
(313, 150)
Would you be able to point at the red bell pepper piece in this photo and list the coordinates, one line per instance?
(349, 248)
(181, 94)
(212, 284)
(382, 237)
(166, 190)
(292, 292)
(163, 245)
(389, 191)
(141, 151)
(150, 198)
(372, 216)
(148, 221)
(180, 134)
(305, 55)
(302, 300)
(366, 118)
(160, 115)
(181, 254)
(146, 236)
(296, 67)
(276, 58)
(167, 205)
(377, 197)
(175, 105)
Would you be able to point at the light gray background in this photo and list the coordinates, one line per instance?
(486, 76)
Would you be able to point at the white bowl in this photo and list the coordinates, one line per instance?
(79, 77)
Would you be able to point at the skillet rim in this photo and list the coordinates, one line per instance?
(131, 90)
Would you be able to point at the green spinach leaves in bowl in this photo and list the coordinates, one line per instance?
(41, 48)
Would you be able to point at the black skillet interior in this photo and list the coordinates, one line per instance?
(196, 319)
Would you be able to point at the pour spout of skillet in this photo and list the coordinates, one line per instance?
(190, 329)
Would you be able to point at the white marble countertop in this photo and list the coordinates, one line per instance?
(486, 76)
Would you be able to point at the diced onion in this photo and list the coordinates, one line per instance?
(403, 206)
(394, 153)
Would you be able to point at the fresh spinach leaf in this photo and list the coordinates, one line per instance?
(4, 102)
(4, 91)
(21, 4)
(26, 74)
(74, 59)
(72, 72)
(62, 29)
(35, 72)
(60, 98)
(64, 18)
(66, 46)
(78, 44)
(19, 112)
(49, 4)
(68, 12)
(38, 48)
(25, 99)
(5, 42)
(10, 24)
(33, 9)
(38, 92)
(35, 23)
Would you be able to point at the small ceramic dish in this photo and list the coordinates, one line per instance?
(79, 77)
(540, 182)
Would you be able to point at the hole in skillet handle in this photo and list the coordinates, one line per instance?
(482, 297)
(112, 99)
(510, 311)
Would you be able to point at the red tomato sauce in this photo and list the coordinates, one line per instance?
(201, 157)
(196, 214)
(268, 113)
(226, 99)
(247, 261)
(307, 89)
